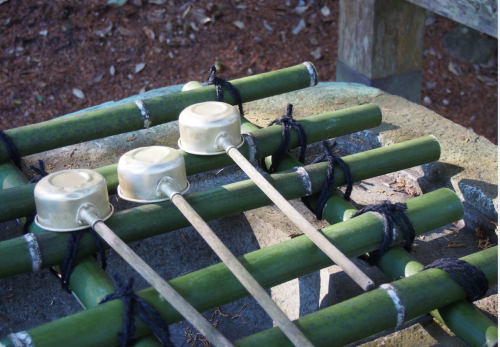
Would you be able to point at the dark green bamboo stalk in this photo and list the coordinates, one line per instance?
(153, 219)
(461, 317)
(97, 124)
(89, 281)
(19, 202)
(374, 311)
(269, 266)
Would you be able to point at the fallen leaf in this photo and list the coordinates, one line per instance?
(389, 194)
(149, 33)
(488, 80)
(316, 53)
(78, 93)
(338, 103)
(130, 138)
(460, 137)
(267, 26)
(325, 11)
(298, 28)
(380, 191)
(125, 32)
(103, 32)
(454, 69)
(139, 67)
(300, 9)
(452, 244)
(239, 24)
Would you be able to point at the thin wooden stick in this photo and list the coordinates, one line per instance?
(161, 286)
(314, 235)
(241, 273)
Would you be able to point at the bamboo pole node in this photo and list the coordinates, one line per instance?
(144, 113)
(398, 303)
(21, 339)
(34, 251)
(305, 179)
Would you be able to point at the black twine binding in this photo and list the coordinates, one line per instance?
(134, 304)
(221, 84)
(391, 213)
(472, 279)
(69, 261)
(11, 149)
(330, 177)
(287, 122)
(40, 173)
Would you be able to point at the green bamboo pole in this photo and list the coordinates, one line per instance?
(372, 312)
(89, 281)
(153, 219)
(102, 123)
(11, 176)
(19, 202)
(463, 318)
(269, 266)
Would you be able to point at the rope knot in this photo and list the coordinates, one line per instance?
(328, 185)
(40, 172)
(391, 213)
(286, 122)
(11, 148)
(133, 304)
(471, 278)
(221, 84)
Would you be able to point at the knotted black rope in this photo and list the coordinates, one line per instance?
(11, 149)
(472, 279)
(330, 177)
(287, 122)
(221, 84)
(40, 173)
(69, 261)
(134, 304)
(391, 213)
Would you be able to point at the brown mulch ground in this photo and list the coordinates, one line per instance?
(48, 48)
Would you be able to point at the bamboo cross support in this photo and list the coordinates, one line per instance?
(269, 266)
(97, 124)
(19, 202)
(345, 323)
(159, 218)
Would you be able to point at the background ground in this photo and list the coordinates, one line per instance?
(57, 57)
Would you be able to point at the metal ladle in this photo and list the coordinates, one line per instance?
(156, 173)
(212, 128)
(77, 199)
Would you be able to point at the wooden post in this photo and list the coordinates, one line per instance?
(381, 45)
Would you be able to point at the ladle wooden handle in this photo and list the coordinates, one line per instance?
(314, 235)
(254, 288)
(161, 286)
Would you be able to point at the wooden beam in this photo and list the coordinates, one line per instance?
(381, 45)
(481, 15)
